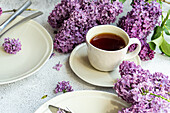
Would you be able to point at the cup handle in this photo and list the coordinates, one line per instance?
(136, 51)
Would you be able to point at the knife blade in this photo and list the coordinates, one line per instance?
(22, 21)
(54, 109)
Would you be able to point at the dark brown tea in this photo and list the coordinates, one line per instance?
(108, 41)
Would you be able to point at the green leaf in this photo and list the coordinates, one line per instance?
(45, 96)
(168, 23)
(156, 42)
(152, 45)
(119, 1)
(161, 49)
(167, 30)
(149, 1)
(122, 1)
(157, 32)
(165, 47)
(132, 2)
(159, 1)
(167, 27)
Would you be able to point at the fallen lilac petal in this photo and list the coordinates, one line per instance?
(0, 11)
(53, 54)
(57, 66)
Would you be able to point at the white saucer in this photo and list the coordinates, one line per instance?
(80, 65)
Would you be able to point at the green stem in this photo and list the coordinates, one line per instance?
(164, 11)
(160, 97)
(168, 93)
(145, 92)
(166, 18)
(166, 27)
(162, 17)
(64, 91)
(148, 1)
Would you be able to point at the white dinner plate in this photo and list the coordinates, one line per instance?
(87, 101)
(37, 46)
(81, 66)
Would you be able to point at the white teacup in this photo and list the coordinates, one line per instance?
(104, 60)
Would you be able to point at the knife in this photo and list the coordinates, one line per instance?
(23, 20)
(54, 109)
(13, 16)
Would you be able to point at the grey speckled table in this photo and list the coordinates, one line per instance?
(24, 96)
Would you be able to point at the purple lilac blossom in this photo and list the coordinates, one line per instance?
(63, 87)
(161, 82)
(128, 68)
(127, 87)
(145, 91)
(11, 46)
(146, 53)
(158, 105)
(106, 12)
(61, 12)
(85, 15)
(72, 32)
(58, 66)
(0, 11)
(139, 23)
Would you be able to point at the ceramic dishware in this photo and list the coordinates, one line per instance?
(104, 60)
(86, 101)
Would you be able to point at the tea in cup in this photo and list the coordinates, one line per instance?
(107, 46)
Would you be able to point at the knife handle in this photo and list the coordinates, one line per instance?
(23, 20)
(18, 12)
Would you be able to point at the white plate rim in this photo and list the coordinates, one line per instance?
(45, 60)
(44, 106)
(71, 65)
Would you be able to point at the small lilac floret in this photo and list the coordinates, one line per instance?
(63, 87)
(58, 66)
(60, 111)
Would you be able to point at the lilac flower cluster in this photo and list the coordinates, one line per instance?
(72, 32)
(61, 12)
(82, 16)
(106, 12)
(145, 91)
(139, 23)
(63, 87)
(11, 46)
(158, 105)
(0, 11)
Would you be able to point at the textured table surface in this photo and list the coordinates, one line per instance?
(24, 96)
